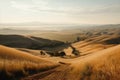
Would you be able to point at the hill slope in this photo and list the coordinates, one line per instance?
(15, 63)
(103, 65)
(30, 42)
(97, 43)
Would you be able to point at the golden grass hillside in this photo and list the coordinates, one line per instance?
(15, 64)
(103, 65)
(97, 43)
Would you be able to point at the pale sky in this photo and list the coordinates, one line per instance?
(60, 11)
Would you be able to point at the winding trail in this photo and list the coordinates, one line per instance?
(58, 73)
(77, 69)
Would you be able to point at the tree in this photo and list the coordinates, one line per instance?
(42, 53)
(62, 53)
(74, 51)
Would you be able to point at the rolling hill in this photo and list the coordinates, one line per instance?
(30, 42)
(101, 65)
(98, 60)
(15, 64)
(99, 50)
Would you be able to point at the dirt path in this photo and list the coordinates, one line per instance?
(58, 73)
(63, 72)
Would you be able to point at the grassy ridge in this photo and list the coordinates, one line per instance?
(103, 65)
(30, 42)
(15, 64)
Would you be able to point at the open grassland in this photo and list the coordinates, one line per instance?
(101, 65)
(81, 32)
(15, 64)
(98, 59)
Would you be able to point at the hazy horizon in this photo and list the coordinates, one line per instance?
(60, 11)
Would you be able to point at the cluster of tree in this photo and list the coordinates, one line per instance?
(54, 53)
(75, 51)
(79, 39)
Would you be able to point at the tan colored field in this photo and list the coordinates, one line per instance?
(98, 59)
(101, 65)
(14, 63)
(82, 32)
(60, 36)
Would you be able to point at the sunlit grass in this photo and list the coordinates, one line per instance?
(16, 64)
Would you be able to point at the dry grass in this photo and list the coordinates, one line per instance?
(103, 65)
(15, 64)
